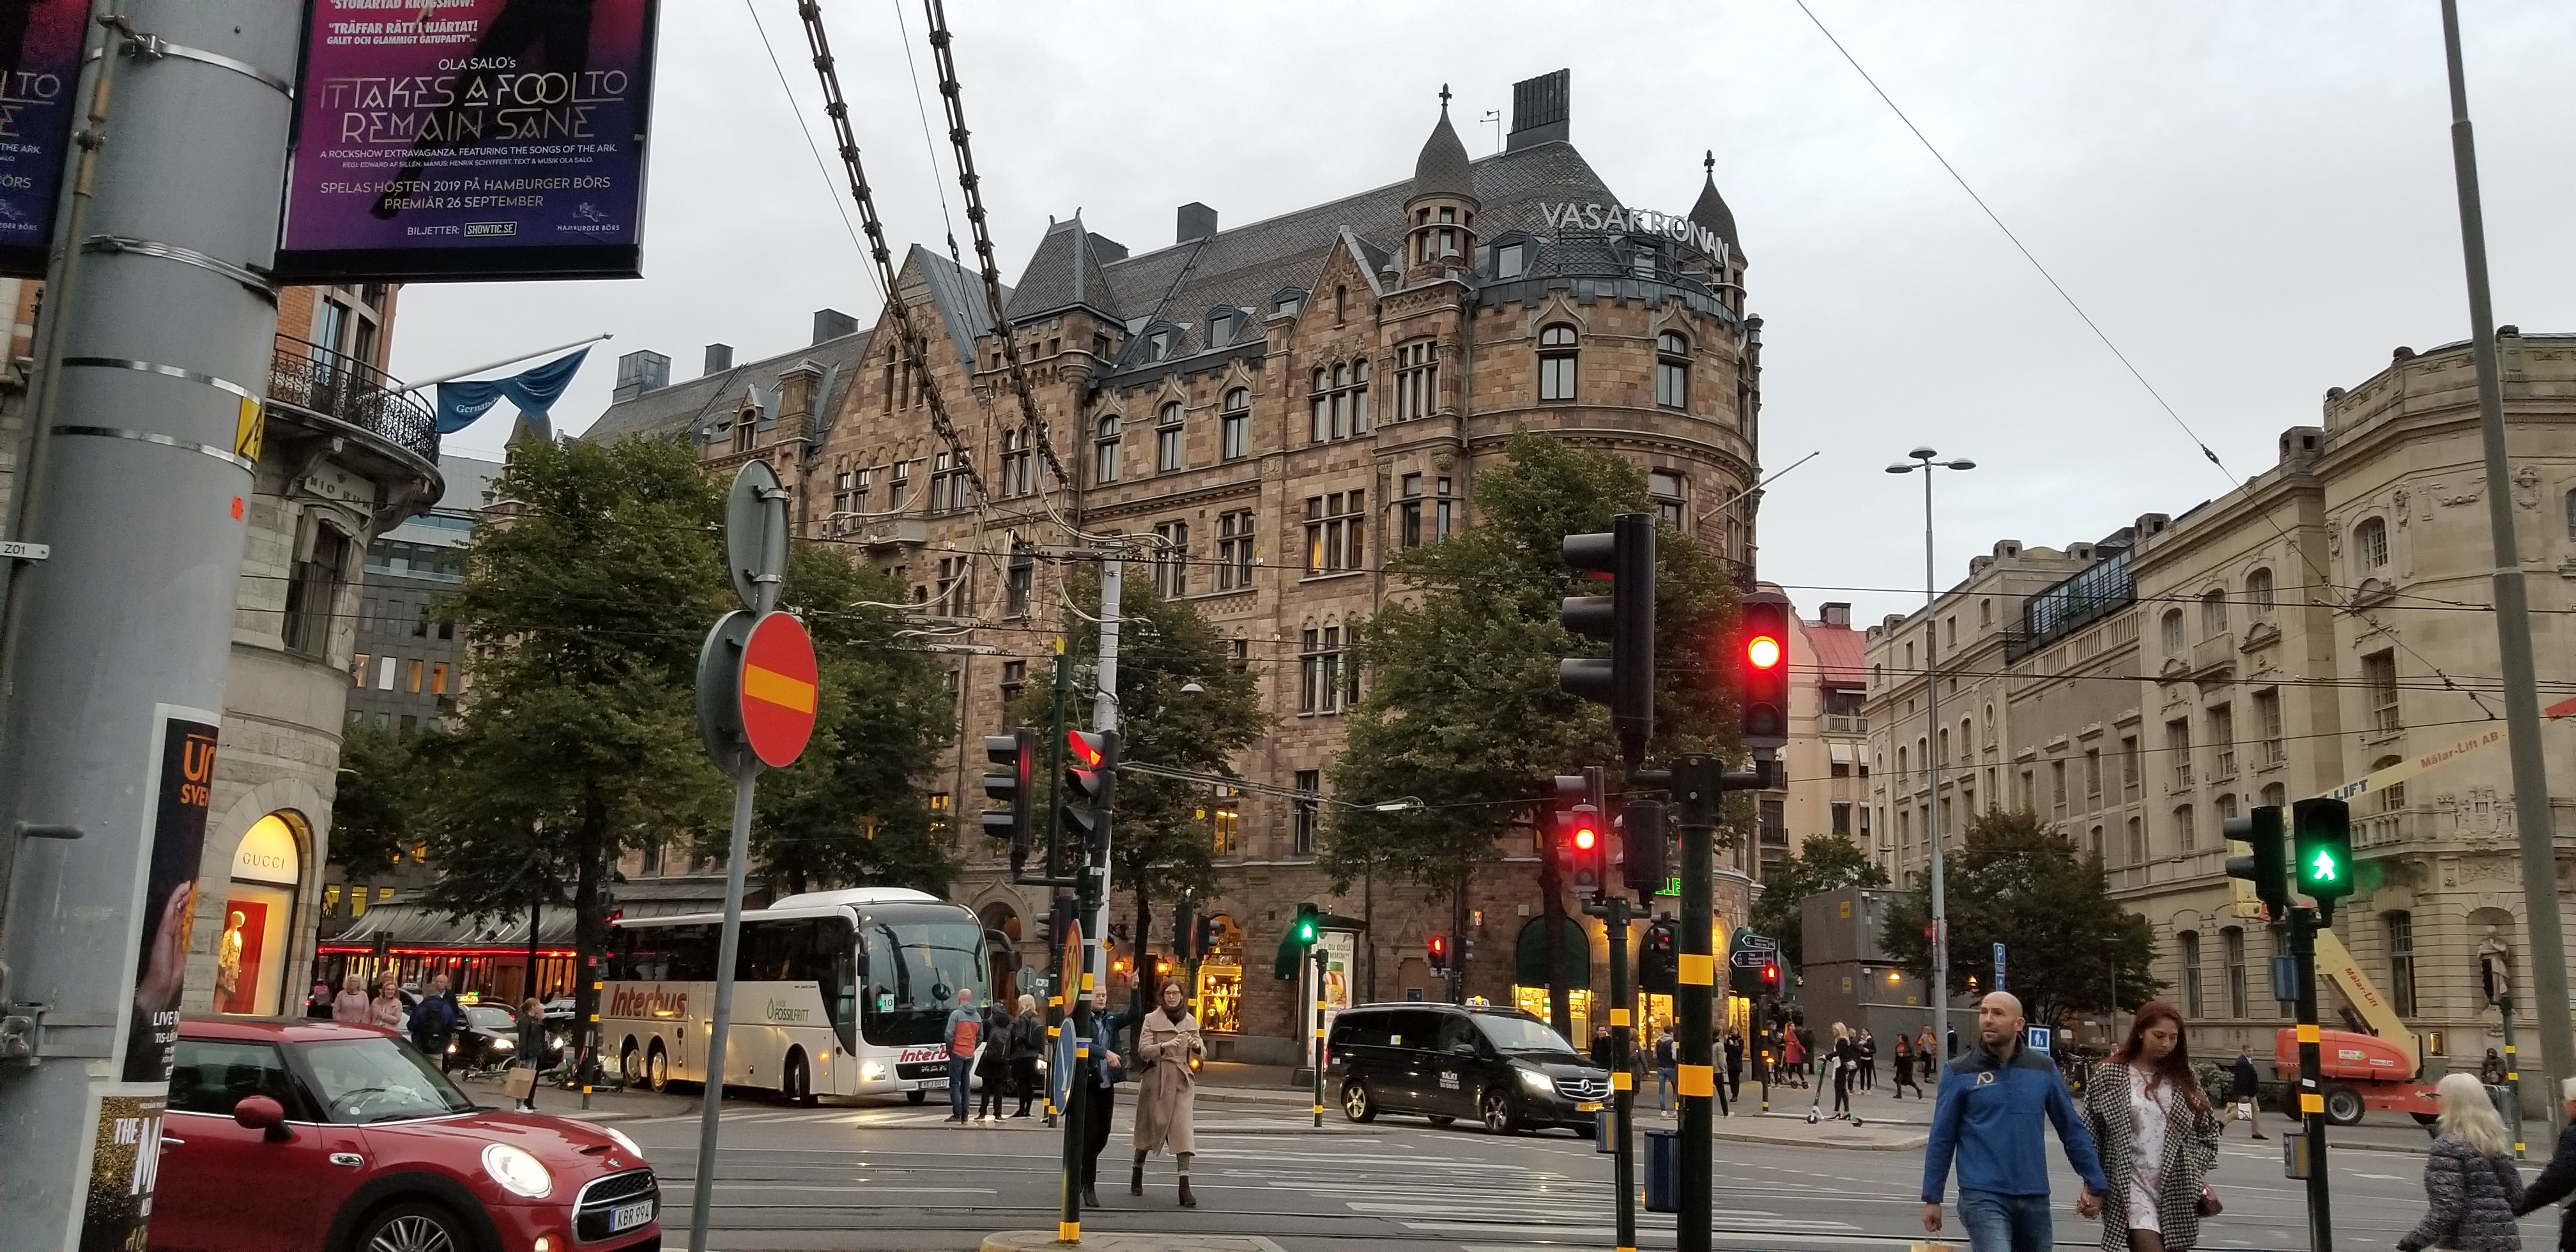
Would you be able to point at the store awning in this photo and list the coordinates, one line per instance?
(412, 924)
(1573, 953)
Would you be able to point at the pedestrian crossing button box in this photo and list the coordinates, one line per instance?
(2294, 1154)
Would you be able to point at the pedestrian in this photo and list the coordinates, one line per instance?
(2491, 1071)
(1667, 1071)
(351, 1004)
(993, 1065)
(1108, 1069)
(1793, 1055)
(1867, 1045)
(1845, 1063)
(2558, 1178)
(1028, 1043)
(1166, 1041)
(1926, 1063)
(1735, 1064)
(2474, 1187)
(2158, 1136)
(434, 1021)
(1988, 1115)
(1601, 1048)
(386, 1009)
(2244, 1088)
(317, 1005)
(1906, 1061)
(532, 1046)
(965, 1031)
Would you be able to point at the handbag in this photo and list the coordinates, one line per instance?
(2210, 1205)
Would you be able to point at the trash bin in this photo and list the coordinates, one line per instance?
(1605, 1130)
(1663, 1171)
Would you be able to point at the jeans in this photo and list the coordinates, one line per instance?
(1666, 1078)
(2004, 1223)
(959, 1069)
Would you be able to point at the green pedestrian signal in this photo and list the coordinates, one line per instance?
(2321, 832)
(2322, 869)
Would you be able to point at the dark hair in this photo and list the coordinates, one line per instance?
(2176, 1068)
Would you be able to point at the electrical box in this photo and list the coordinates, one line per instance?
(2294, 1154)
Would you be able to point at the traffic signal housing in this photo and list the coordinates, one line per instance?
(1185, 932)
(2321, 856)
(1016, 753)
(1439, 954)
(1303, 931)
(1659, 959)
(1760, 660)
(1641, 846)
(2267, 867)
(1581, 846)
(1090, 777)
(1625, 618)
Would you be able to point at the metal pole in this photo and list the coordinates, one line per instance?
(1319, 1031)
(2513, 612)
(124, 637)
(2512, 1077)
(728, 949)
(1104, 717)
(1623, 1095)
(1932, 750)
(1696, 781)
(2312, 1105)
(1077, 1100)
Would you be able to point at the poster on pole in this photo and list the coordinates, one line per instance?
(115, 1178)
(469, 140)
(183, 777)
(40, 64)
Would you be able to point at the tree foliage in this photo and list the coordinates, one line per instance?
(1823, 863)
(2020, 882)
(376, 811)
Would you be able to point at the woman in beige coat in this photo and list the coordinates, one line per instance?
(1165, 1042)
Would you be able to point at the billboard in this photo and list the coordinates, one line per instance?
(469, 139)
(40, 63)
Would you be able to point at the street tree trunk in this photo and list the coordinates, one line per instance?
(1560, 998)
(590, 925)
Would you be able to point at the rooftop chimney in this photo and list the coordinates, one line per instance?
(1836, 614)
(1198, 221)
(639, 372)
(1539, 111)
(719, 358)
(832, 324)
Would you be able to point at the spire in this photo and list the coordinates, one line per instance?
(1711, 211)
(1442, 170)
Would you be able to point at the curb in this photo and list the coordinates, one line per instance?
(1910, 1143)
(1119, 1241)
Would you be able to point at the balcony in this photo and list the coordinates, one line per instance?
(2214, 657)
(327, 384)
(1846, 724)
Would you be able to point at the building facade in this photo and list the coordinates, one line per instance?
(1277, 406)
(2328, 620)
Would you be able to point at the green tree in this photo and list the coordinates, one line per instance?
(587, 597)
(1823, 863)
(1464, 710)
(2020, 882)
(378, 810)
(1162, 840)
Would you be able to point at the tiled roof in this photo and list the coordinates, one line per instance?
(958, 293)
(676, 411)
(1443, 169)
(1841, 654)
(1064, 273)
(1711, 211)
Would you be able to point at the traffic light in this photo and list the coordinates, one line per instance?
(1659, 959)
(1771, 977)
(2321, 862)
(1057, 924)
(1204, 945)
(1761, 664)
(1626, 619)
(1090, 768)
(1303, 930)
(2266, 868)
(1016, 753)
(1185, 932)
(1581, 846)
(1439, 954)
(1641, 846)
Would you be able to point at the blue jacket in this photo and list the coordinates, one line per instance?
(433, 1020)
(1988, 1114)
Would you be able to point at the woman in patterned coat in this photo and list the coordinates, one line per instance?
(2469, 1176)
(2158, 1135)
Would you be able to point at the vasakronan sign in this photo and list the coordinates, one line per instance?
(469, 139)
(1612, 217)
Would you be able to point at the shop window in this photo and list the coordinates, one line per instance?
(252, 948)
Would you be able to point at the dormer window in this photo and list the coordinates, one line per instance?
(1642, 261)
(1510, 260)
(1158, 345)
(1221, 329)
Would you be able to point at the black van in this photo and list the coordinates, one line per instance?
(1499, 1066)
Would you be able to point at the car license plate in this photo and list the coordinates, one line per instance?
(1588, 1106)
(630, 1216)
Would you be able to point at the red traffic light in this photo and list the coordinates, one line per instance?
(1083, 750)
(1763, 651)
(1439, 945)
(1585, 837)
(1770, 973)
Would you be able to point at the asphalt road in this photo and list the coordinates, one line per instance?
(895, 1177)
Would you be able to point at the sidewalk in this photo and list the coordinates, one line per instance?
(1099, 1241)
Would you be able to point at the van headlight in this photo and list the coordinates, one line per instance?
(1538, 1082)
(517, 1172)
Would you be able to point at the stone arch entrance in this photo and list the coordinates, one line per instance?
(253, 947)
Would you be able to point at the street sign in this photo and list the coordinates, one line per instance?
(1750, 958)
(1758, 943)
(1999, 967)
(719, 700)
(756, 535)
(777, 689)
(2041, 1037)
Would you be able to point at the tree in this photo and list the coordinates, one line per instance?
(586, 595)
(2020, 882)
(377, 810)
(1464, 710)
(1822, 863)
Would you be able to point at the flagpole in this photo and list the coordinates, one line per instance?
(507, 360)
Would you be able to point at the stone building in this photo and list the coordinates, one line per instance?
(1824, 770)
(1277, 406)
(2326, 621)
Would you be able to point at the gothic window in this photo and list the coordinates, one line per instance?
(1234, 424)
(1167, 439)
(1104, 462)
(1338, 402)
(1556, 357)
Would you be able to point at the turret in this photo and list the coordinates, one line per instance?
(1440, 214)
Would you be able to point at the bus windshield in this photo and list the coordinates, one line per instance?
(913, 961)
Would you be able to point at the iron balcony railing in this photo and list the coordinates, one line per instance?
(318, 380)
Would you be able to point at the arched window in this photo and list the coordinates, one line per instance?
(1341, 305)
(1672, 370)
(1341, 401)
(1339, 405)
(2401, 962)
(1104, 460)
(1556, 362)
(2258, 590)
(2137, 840)
(1902, 762)
(1234, 423)
(1167, 439)
(2173, 632)
(2213, 614)
(1990, 725)
(2370, 543)
(2185, 837)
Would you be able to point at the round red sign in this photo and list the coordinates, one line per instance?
(778, 689)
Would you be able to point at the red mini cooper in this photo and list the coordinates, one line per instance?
(293, 1135)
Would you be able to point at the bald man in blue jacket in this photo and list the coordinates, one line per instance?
(1988, 1114)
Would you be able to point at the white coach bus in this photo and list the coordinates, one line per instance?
(835, 993)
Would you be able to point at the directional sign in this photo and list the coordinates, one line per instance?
(1750, 959)
(778, 689)
(1759, 943)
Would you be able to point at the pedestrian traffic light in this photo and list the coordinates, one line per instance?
(2261, 829)
(1016, 753)
(2321, 859)
(1625, 618)
(1659, 960)
(1204, 946)
(1305, 928)
(1303, 931)
(1641, 846)
(1439, 954)
(1090, 767)
(1761, 664)
(1185, 932)
(1771, 978)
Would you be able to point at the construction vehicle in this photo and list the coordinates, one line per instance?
(2383, 1069)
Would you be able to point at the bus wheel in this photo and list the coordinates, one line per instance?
(627, 1068)
(796, 1081)
(657, 1068)
(915, 1097)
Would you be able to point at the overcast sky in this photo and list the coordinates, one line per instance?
(2253, 200)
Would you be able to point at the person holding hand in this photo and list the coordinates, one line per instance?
(1988, 1113)
(2158, 1133)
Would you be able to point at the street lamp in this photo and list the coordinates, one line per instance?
(1923, 459)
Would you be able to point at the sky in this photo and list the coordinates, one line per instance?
(2254, 202)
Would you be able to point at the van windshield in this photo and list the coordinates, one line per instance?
(1519, 1034)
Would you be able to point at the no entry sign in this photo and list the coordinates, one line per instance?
(777, 689)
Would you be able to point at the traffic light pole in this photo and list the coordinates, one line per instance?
(1697, 784)
(2312, 1104)
(1318, 956)
(1623, 1094)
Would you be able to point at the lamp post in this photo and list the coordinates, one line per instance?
(1922, 459)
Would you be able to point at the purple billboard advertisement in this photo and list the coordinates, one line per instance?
(469, 139)
(40, 61)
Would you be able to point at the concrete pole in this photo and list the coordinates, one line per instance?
(129, 626)
(2513, 615)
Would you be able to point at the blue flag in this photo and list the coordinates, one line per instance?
(534, 391)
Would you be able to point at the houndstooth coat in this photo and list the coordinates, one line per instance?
(2191, 1148)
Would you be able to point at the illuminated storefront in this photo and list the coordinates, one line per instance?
(1574, 966)
(1220, 989)
(259, 913)
(488, 957)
